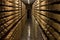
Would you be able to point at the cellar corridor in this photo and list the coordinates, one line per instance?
(29, 20)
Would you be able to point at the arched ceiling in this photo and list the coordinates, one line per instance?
(28, 1)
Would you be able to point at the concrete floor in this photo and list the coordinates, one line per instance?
(28, 32)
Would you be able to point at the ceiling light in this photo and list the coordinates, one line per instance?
(28, 1)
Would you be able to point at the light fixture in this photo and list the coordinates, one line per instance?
(28, 1)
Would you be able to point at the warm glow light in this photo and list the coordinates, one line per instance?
(28, 1)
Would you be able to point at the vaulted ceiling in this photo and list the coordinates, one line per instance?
(28, 1)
